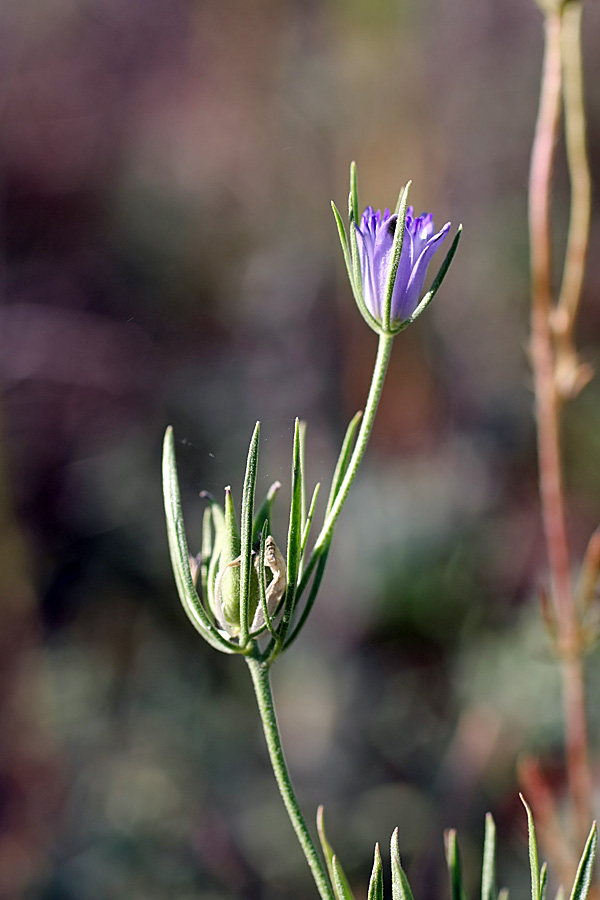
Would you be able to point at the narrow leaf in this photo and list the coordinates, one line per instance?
(309, 519)
(376, 882)
(343, 460)
(534, 864)
(400, 886)
(488, 873)
(340, 882)
(543, 880)
(583, 879)
(343, 891)
(457, 891)
(180, 555)
(246, 521)
(294, 542)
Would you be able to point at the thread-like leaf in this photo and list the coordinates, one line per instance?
(543, 880)
(246, 522)
(583, 878)
(309, 518)
(343, 460)
(457, 891)
(534, 864)
(400, 886)
(180, 559)
(339, 881)
(294, 544)
(354, 191)
(488, 871)
(376, 881)
(336, 873)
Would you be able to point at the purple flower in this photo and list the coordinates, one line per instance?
(375, 238)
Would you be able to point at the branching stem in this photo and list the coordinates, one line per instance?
(547, 408)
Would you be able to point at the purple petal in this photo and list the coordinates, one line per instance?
(409, 300)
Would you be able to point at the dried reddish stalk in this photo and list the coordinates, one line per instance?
(547, 408)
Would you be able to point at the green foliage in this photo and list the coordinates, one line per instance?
(401, 889)
(244, 592)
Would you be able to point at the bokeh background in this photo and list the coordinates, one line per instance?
(169, 257)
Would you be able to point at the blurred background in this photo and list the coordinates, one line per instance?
(169, 257)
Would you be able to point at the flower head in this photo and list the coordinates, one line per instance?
(387, 263)
(375, 247)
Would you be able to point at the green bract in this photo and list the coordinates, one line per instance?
(242, 587)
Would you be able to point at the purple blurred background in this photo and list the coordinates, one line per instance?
(169, 257)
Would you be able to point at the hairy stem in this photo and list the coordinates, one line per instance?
(264, 697)
(547, 408)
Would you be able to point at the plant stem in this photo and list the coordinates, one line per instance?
(264, 697)
(547, 408)
(579, 175)
(384, 348)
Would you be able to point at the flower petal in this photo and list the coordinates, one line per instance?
(408, 302)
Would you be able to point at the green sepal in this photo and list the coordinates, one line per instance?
(457, 891)
(437, 282)
(376, 881)
(178, 548)
(344, 242)
(352, 261)
(396, 253)
(248, 585)
(400, 886)
(583, 878)
(354, 191)
(488, 869)
(343, 891)
(353, 220)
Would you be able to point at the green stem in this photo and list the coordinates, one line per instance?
(366, 426)
(264, 697)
